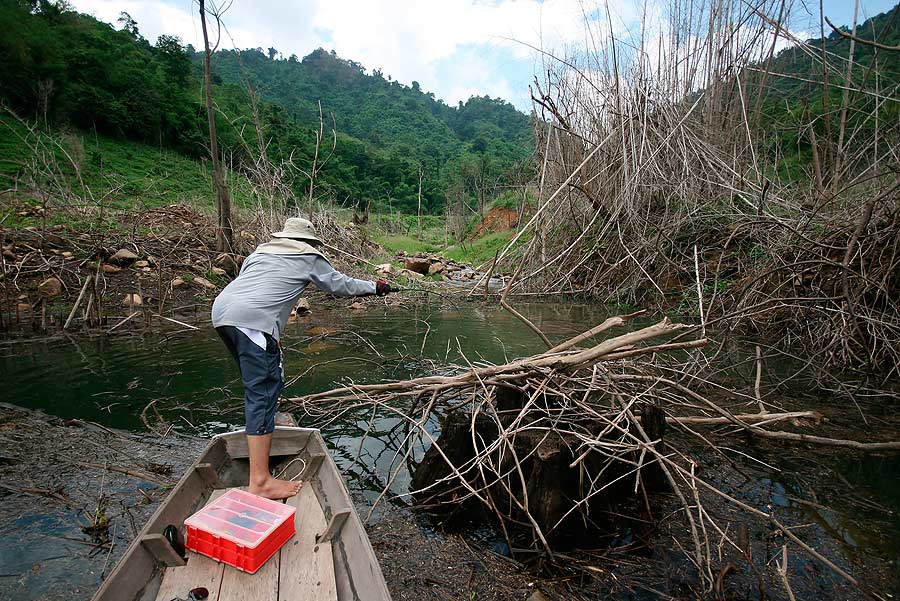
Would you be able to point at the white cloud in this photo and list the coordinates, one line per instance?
(153, 17)
(472, 72)
(490, 43)
(407, 39)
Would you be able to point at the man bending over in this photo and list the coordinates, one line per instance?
(250, 314)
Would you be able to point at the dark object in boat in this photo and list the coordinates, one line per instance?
(174, 537)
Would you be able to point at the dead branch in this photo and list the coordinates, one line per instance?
(849, 36)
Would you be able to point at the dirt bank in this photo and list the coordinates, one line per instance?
(159, 263)
(497, 219)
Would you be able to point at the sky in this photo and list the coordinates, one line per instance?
(453, 48)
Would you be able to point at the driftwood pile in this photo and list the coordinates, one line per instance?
(551, 444)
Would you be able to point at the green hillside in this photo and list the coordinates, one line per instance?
(798, 65)
(89, 172)
(386, 130)
(62, 69)
(795, 95)
(380, 111)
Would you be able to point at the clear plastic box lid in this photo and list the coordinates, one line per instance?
(241, 517)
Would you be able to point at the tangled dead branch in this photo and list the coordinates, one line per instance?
(551, 446)
(645, 160)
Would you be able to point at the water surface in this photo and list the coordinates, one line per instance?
(188, 382)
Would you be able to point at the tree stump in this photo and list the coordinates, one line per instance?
(653, 422)
(569, 497)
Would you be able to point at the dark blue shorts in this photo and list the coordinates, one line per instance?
(262, 377)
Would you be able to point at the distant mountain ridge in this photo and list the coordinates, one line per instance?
(797, 110)
(378, 110)
(792, 61)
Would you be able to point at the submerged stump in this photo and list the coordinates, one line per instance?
(533, 476)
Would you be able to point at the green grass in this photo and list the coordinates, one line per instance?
(117, 174)
(73, 222)
(123, 176)
(401, 234)
(470, 252)
(482, 250)
(12, 151)
(473, 252)
(511, 200)
(408, 244)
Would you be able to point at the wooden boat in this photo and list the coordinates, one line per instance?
(330, 557)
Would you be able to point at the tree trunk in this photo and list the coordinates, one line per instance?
(320, 134)
(420, 203)
(225, 229)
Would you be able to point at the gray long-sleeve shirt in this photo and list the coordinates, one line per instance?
(268, 286)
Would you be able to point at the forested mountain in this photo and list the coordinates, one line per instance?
(376, 109)
(63, 69)
(69, 69)
(795, 95)
(472, 146)
(798, 64)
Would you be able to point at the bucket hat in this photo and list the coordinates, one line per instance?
(297, 228)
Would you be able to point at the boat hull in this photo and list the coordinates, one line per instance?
(141, 574)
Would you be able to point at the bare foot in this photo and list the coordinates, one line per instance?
(276, 489)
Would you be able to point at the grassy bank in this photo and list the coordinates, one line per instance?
(90, 173)
(87, 182)
(400, 233)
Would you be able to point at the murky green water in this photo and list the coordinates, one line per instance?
(192, 378)
(193, 384)
(189, 383)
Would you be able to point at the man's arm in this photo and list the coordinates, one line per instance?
(330, 280)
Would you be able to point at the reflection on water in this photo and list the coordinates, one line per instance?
(195, 382)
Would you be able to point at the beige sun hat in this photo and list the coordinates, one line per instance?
(297, 228)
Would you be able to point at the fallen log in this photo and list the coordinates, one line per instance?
(753, 418)
(866, 447)
(561, 361)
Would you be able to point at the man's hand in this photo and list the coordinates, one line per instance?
(382, 288)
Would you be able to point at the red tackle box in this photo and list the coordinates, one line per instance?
(240, 529)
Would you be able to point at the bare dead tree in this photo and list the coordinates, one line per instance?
(45, 92)
(318, 165)
(419, 214)
(225, 229)
(642, 159)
